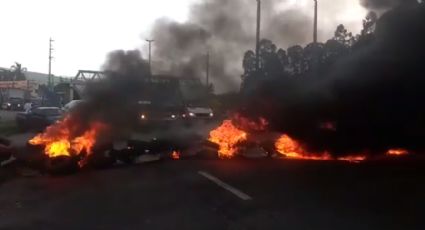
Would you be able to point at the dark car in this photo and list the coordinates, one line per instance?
(13, 104)
(38, 118)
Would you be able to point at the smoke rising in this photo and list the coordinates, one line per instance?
(227, 28)
(373, 96)
(384, 4)
(113, 100)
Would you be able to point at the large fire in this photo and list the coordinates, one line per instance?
(290, 148)
(397, 152)
(59, 139)
(227, 137)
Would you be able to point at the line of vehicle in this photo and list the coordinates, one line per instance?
(226, 186)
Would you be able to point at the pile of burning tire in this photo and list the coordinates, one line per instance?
(110, 155)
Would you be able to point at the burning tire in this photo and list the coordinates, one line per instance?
(61, 165)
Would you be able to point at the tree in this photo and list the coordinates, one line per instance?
(296, 59)
(248, 63)
(269, 60)
(283, 57)
(18, 72)
(313, 55)
(333, 50)
(343, 36)
(369, 23)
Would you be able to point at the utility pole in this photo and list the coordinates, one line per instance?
(257, 46)
(50, 80)
(315, 23)
(150, 54)
(208, 70)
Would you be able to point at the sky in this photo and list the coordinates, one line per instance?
(84, 31)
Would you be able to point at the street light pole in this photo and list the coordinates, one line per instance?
(315, 23)
(208, 69)
(50, 80)
(150, 54)
(257, 45)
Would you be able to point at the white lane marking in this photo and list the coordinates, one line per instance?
(228, 187)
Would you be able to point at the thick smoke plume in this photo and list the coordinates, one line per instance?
(374, 97)
(384, 4)
(113, 100)
(227, 28)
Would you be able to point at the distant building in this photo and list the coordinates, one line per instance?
(28, 88)
(38, 78)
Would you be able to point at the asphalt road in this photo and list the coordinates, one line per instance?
(6, 115)
(213, 194)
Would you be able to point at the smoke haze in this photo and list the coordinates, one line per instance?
(373, 96)
(227, 29)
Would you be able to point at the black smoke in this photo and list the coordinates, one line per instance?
(113, 99)
(374, 96)
(384, 4)
(225, 27)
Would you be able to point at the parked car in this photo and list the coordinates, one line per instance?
(13, 103)
(38, 118)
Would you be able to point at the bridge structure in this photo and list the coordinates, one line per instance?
(79, 82)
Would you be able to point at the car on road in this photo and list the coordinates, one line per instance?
(13, 103)
(198, 111)
(150, 113)
(38, 118)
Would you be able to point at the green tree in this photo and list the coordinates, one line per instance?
(296, 59)
(343, 36)
(18, 72)
(248, 63)
(269, 60)
(369, 23)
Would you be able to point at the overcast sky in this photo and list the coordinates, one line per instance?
(86, 30)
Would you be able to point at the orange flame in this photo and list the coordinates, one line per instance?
(397, 152)
(59, 141)
(175, 155)
(227, 136)
(290, 148)
(353, 158)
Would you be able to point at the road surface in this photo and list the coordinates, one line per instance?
(7, 116)
(213, 194)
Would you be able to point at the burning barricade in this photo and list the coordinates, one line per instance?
(68, 147)
(240, 135)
